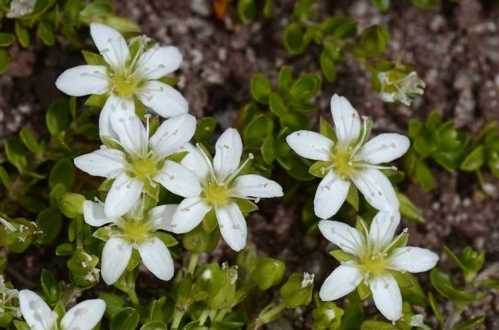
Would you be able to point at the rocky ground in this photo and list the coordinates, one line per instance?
(455, 50)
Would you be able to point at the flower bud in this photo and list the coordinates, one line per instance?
(399, 85)
(71, 205)
(297, 291)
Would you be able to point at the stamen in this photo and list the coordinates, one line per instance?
(208, 161)
(240, 168)
(363, 136)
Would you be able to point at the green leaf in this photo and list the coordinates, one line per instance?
(341, 255)
(474, 323)
(50, 223)
(408, 210)
(268, 150)
(328, 66)
(46, 33)
(6, 39)
(306, 87)
(29, 140)
(435, 307)
(285, 78)
(426, 4)
(4, 60)
(277, 105)
(339, 27)
(154, 325)
(268, 272)
(4, 178)
(373, 41)
(58, 116)
(297, 291)
(260, 88)
(16, 154)
(255, 132)
(247, 11)
(410, 288)
(442, 283)
(126, 319)
(92, 58)
(63, 172)
(474, 160)
(22, 35)
(50, 287)
(204, 129)
(294, 39)
(377, 325)
(382, 5)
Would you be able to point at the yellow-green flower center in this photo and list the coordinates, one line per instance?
(373, 265)
(125, 85)
(341, 158)
(135, 231)
(144, 168)
(216, 195)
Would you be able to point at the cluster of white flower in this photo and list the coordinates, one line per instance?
(137, 161)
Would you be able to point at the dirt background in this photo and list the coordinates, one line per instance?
(454, 49)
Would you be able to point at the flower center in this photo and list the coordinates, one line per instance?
(144, 168)
(374, 265)
(216, 195)
(341, 158)
(135, 231)
(124, 85)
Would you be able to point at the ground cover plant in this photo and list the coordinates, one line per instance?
(249, 164)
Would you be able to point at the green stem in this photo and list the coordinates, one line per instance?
(133, 297)
(177, 318)
(79, 233)
(268, 314)
(193, 262)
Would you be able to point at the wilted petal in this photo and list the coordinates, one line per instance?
(84, 80)
(413, 259)
(387, 297)
(195, 161)
(343, 280)
(111, 44)
(342, 235)
(330, 195)
(310, 145)
(384, 148)
(189, 214)
(35, 311)
(162, 216)
(94, 214)
(173, 134)
(157, 258)
(383, 229)
(232, 226)
(252, 185)
(163, 99)
(84, 316)
(114, 106)
(105, 162)
(157, 62)
(179, 180)
(228, 151)
(377, 189)
(122, 196)
(131, 132)
(115, 257)
(346, 119)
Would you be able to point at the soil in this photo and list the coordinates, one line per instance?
(455, 49)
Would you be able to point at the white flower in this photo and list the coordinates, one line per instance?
(39, 316)
(143, 161)
(398, 85)
(127, 75)
(221, 185)
(374, 255)
(350, 159)
(134, 230)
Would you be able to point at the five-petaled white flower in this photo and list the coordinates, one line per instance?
(127, 75)
(373, 255)
(133, 230)
(143, 161)
(218, 186)
(350, 159)
(39, 316)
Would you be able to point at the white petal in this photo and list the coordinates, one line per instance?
(157, 62)
(162, 216)
(94, 214)
(377, 189)
(173, 134)
(330, 195)
(105, 162)
(340, 282)
(342, 235)
(387, 297)
(157, 258)
(115, 257)
(131, 132)
(122, 196)
(310, 145)
(189, 214)
(228, 151)
(114, 106)
(195, 161)
(232, 226)
(346, 119)
(413, 259)
(163, 99)
(35, 311)
(84, 80)
(383, 229)
(384, 148)
(111, 44)
(84, 316)
(179, 180)
(252, 185)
